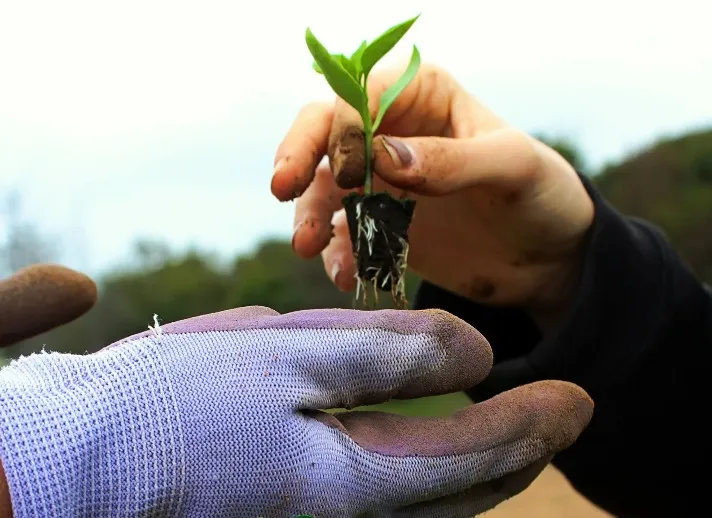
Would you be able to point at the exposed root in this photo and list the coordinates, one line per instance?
(156, 327)
(368, 228)
(398, 287)
(378, 228)
(360, 287)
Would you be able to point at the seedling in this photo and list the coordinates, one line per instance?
(378, 223)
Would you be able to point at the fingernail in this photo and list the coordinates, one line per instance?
(298, 225)
(296, 230)
(278, 166)
(400, 153)
(335, 271)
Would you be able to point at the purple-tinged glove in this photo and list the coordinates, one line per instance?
(219, 416)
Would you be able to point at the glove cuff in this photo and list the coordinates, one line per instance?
(91, 435)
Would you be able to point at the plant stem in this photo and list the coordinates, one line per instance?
(368, 180)
(368, 136)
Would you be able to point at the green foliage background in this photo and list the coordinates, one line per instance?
(669, 183)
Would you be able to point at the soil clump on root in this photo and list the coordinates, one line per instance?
(378, 227)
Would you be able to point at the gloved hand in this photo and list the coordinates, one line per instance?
(219, 416)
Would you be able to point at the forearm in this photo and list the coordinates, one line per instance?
(637, 336)
(633, 295)
(77, 431)
(638, 339)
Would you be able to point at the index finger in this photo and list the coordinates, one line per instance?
(301, 151)
(333, 128)
(369, 357)
(314, 212)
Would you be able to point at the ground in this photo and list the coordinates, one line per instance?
(549, 496)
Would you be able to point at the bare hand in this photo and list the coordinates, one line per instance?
(500, 217)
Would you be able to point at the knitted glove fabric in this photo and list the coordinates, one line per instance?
(219, 416)
(36, 299)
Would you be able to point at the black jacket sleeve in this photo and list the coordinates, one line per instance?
(638, 339)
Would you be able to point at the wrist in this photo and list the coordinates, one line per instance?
(79, 434)
(558, 291)
(561, 279)
(549, 313)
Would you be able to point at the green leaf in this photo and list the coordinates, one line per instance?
(345, 62)
(348, 65)
(343, 84)
(373, 53)
(393, 91)
(356, 58)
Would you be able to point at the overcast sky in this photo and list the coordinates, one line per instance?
(160, 119)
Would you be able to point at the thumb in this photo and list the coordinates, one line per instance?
(421, 459)
(439, 165)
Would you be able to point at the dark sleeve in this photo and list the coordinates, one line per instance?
(638, 339)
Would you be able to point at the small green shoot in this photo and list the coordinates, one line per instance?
(348, 77)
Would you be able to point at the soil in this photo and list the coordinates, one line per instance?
(549, 496)
(347, 157)
(378, 227)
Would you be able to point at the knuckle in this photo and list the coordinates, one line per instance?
(431, 69)
(437, 76)
(528, 157)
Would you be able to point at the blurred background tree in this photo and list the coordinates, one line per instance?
(670, 184)
(23, 245)
(568, 149)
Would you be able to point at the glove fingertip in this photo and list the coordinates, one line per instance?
(468, 356)
(41, 297)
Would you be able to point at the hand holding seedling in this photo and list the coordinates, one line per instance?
(378, 223)
(499, 218)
